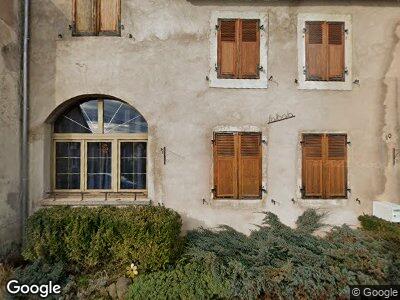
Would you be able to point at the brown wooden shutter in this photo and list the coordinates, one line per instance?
(250, 165)
(336, 166)
(109, 17)
(312, 169)
(316, 52)
(249, 49)
(336, 51)
(227, 49)
(225, 165)
(84, 17)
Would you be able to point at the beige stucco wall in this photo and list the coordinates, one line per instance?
(9, 121)
(162, 70)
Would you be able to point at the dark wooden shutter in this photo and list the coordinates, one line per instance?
(227, 49)
(249, 48)
(109, 17)
(336, 51)
(336, 166)
(250, 165)
(225, 165)
(316, 54)
(312, 166)
(84, 17)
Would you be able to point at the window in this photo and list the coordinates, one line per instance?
(324, 166)
(96, 17)
(237, 165)
(238, 52)
(324, 51)
(324, 44)
(238, 48)
(100, 145)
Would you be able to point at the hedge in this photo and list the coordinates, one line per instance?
(274, 262)
(88, 238)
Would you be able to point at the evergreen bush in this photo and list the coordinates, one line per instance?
(273, 262)
(87, 239)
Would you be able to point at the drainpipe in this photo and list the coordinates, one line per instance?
(25, 122)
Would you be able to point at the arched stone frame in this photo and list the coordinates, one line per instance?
(98, 196)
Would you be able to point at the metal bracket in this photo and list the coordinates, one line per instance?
(261, 27)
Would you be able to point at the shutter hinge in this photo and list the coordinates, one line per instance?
(217, 27)
(263, 189)
(216, 68)
(346, 71)
(70, 27)
(349, 190)
(348, 143)
(301, 142)
(213, 142)
(264, 142)
(261, 27)
(304, 70)
(302, 191)
(304, 30)
(213, 190)
(346, 31)
(260, 68)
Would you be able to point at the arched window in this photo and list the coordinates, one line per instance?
(100, 145)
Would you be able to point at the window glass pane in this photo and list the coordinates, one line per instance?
(82, 118)
(68, 165)
(119, 117)
(133, 165)
(99, 165)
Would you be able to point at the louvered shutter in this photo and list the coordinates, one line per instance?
(249, 165)
(84, 17)
(227, 49)
(336, 166)
(225, 165)
(316, 54)
(336, 51)
(312, 165)
(249, 48)
(109, 17)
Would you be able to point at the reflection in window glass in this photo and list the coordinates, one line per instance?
(99, 165)
(68, 165)
(80, 119)
(119, 117)
(133, 165)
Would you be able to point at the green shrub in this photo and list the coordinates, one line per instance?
(275, 261)
(89, 238)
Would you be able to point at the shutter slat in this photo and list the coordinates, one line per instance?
(250, 165)
(227, 49)
(225, 165)
(109, 16)
(249, 49)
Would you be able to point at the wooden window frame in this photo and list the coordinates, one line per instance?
(84, 138)
(325, 159)
(238, 156)
(96, 22)
(305, 84)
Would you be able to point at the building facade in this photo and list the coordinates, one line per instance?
(217, 110)
(9, 120)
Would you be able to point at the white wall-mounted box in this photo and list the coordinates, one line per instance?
(387, 211)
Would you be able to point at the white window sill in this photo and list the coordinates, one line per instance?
(238, 83)
(236, 203)
(324, 85)
(93, 202)
(323, 203)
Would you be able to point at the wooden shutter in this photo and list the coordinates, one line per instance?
(109, 17)
(312, 169)
(225, 165)
(336, 51)
(336, 166)
(249, 165)
(227, 49)
(316, 54)
(84, 17)
(249, 48)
